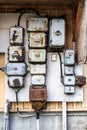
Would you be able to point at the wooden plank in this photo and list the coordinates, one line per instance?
(2, 84)
(79, 17)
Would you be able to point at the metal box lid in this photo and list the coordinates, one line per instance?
(38, 94)
(69, 57)
(37, 24)
(16, 53)
(16, 69)
(37, 40)
(69, 80)
(37, 68)
(57, 33)
(37, 55)
(16, 35)
(69, 89)
(38, 79)
(16, 81)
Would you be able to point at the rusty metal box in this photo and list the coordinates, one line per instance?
(16, 35)
(16, 53)
(80, 80)
(37, 40)
(37, 55)
(69, 80)
(57, 33)
(37, 94)
(38, 80)
(69, 89)
(37, 68)
(16, 69)
(37, 24)
(16, 81)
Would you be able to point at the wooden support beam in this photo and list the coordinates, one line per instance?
(79, 13)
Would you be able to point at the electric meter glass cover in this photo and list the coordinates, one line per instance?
(16, 81)
(37, 55)
(37, 24)
(37, 40)
(16, 35)
(57, 33)
(16, 69)
(16, 53)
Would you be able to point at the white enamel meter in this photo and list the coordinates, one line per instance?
(37, 24)
(16, 53)
(37, 40)
(16, 69)
(57, 33)
(37, 55)
(15, 81)
(16, 35)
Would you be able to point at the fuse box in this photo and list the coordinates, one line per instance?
(16, 81)
(69, 89)
(16, 53)
(37, 40)
(38, 79)
(16, 69)
(37, 68)
(16, 35)
(57, 33)
(69, 80)
(37, 94)
(37, 24)
(69, 58)
(68, 70)
(37, 55)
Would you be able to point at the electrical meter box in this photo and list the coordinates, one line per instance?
(69, 89)
(68, 70)
(16, 35)
(37, 24)
(37, 55)
(37, 79)
(69, 80)
(16, 81)
(57, 33)
(37, 40)
(16, 69)
(16, 53)
(69, 58)
(37, 68)
(37, 94)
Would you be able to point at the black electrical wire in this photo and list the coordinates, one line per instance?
(61, 67)
(24, 11)
(19, 113)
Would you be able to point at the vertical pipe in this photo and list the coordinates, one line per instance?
(64, 116)
(6, 115)
(37, 121)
